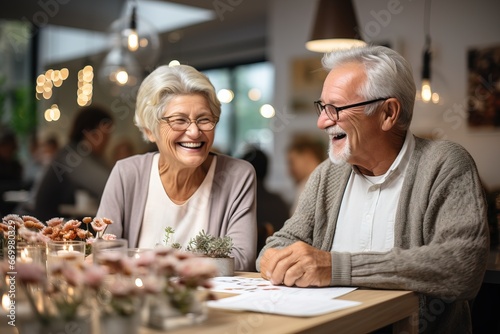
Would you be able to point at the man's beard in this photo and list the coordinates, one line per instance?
(341, 157)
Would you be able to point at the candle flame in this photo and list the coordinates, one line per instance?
(5, 301)
(24, 254)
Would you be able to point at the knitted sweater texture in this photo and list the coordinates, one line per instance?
(440, 234)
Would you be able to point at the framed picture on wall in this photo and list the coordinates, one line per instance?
(307, 77)
(483, 89)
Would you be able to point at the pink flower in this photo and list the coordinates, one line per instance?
(28, 235)
(31, 273)
(108, 236)
(145, 258)
(197, 267)
(107, 221)
(71, 225)
(122, 288)
(55, 222)
(94, 276)
(32, 222)
(98, 225)
(13, 217)
(73, 275)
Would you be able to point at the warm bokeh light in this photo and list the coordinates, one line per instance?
(174, 63)
(225, 95)
(426, 91)
(254, 94)
(64, 73)
(85, 86)
(52, 114)
(46, 82)
(133, 41)
(435, 98)
(267, 111)
(121, 77)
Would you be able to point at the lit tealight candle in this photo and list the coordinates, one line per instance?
(25, 256)
(68, 253)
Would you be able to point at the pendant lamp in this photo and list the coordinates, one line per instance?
(335, 27)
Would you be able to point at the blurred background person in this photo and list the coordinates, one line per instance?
(122, 149)
(304, 154)
(41, 153)
(77, 170)
(183, 185)
(272, 210)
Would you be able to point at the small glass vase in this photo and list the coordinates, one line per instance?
(164, 316)
(33, 326)
(120, 324)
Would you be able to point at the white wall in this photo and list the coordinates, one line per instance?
(456, 26)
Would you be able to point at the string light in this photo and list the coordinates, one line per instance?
(85, 86)
(45, 82)
(52, 114)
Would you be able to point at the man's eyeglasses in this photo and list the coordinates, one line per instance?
(333, 112)
(179, 123)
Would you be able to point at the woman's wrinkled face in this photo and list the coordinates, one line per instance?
(188, 148)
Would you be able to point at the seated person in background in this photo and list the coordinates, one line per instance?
(183, 186)
(272, 211)
(304, 154)
(78, 166)
(390, 210)
(122, 149)
(41, 154)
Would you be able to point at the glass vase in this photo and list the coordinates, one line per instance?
(33, 326)
(119, 324)
(164, 315)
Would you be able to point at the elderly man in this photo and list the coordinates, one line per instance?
(388, 210)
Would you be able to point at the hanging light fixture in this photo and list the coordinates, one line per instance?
(426, 92)
(135, 33)
(135, 49)
(335, 27)
(119, 71)
(133, 37)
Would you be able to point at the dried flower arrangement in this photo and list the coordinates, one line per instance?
(31, 230)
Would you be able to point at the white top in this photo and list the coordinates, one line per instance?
(368, 209)
(187, 219)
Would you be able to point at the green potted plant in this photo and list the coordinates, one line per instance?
(217, 248)
(203, 244)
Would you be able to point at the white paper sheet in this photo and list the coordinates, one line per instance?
(282, 303)
(243, 285)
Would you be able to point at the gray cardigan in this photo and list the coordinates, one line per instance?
(441, 234)
(232, 203)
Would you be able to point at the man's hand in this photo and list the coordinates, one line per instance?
(298, 264)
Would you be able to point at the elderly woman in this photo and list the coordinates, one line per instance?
(183, 186)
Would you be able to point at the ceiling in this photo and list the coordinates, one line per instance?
(234, 21)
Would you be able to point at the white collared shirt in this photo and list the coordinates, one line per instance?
(368, 210)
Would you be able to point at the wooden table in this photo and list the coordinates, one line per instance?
(379, 308)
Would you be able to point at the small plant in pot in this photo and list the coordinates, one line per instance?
(218, 248)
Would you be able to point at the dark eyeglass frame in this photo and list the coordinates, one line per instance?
(190, 121)
(320, 107)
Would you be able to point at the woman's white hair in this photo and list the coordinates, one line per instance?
(388, 75)
(162, 85)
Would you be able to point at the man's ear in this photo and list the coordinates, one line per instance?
(390, 113)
